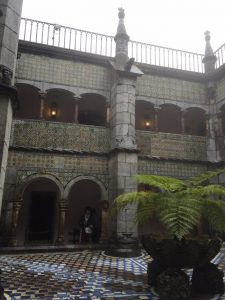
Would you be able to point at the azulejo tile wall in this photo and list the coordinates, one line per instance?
(64, 167)
(66, 72)
(171, 88)
(169, 145)
(61, 136)
(170, 168)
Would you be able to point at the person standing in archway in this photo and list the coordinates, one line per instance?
(87, 225)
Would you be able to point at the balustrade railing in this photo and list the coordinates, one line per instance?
(95, 43)
(220, 55)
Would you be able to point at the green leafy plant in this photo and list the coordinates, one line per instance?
(179, 205)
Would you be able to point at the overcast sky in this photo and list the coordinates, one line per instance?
(171, 23)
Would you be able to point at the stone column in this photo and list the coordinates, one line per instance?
(123, 160)
(63, 207)
(218, 125)
(107, 113)
(183, 121)
(157, 109)
(10, 12)
(42, 104)
(104, 222)
(17, 204)
(76, 109)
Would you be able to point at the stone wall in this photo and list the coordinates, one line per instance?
(220, 95)
(60, 136)
(170, 168)
(167, 145)
(64, 72)
(22, 164)
(171, 89)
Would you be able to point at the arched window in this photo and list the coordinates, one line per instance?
(29, 102)
(59, 106)
(195, 121)
(92, 110)
(144, 115)
(169, 118)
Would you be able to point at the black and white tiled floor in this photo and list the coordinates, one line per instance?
(80, 275)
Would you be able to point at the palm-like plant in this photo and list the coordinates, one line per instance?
(180, 205)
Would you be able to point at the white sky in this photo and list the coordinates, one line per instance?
(170, 23)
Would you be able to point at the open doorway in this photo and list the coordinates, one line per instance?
(42, 210)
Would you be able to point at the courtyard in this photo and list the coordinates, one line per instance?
(82, 274)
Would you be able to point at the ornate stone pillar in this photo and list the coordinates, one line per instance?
(63, 207)
(17, 204)
(123, 159)
(42, 103)
(157, 109)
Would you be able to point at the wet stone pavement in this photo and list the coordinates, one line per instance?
(78, 275)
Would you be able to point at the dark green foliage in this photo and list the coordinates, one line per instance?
(173, 284)
(180, 205)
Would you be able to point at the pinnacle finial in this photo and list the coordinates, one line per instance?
(121, 13)
(208, 48)
(121, 40)
(209, 58)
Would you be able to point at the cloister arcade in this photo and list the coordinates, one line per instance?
(61, 105)
(48, 213)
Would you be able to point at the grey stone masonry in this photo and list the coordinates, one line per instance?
(5, 128)
(10, 12)
(123, 114)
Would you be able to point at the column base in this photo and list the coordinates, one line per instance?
(124, 248)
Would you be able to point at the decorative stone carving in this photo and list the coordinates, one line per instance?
(5, 75)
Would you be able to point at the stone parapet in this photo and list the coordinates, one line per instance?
(59, 136)
(167, 145)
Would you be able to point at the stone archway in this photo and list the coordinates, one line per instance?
(83, 192)
(39, 214)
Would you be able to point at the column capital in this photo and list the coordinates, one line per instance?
(63, 204)
(42, 94)
(77, 98)
(157, 108)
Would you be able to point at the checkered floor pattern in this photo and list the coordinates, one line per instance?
(81, 275)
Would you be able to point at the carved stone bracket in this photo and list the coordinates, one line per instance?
(5, 75)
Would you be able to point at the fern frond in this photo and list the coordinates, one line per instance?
(181, 217)
(164, 183)
(130, 198)
(202, 178)
(214, 212)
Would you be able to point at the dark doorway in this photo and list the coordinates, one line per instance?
(42, 208)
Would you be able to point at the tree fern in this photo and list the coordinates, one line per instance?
(179, 205)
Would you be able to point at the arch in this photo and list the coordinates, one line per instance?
(169, 118)
(38, 220)
(144, 115)
(83, 192)
(92, 109)
(195, 121)
(91, 178)
(35, 176)
(29, 102)
(63, 104)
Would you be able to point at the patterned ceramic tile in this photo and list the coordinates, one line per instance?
(80, 275)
